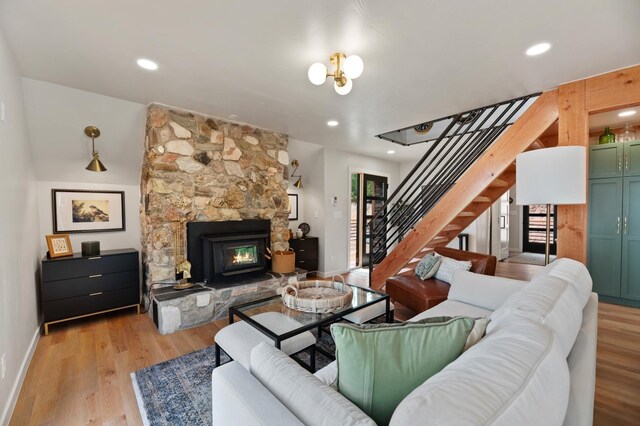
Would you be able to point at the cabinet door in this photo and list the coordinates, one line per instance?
(631, 239)
(632, 158)
(605, 229)
(605, 160)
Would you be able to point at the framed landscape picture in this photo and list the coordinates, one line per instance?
(87, 211)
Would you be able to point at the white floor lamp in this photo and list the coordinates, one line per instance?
(551, 176)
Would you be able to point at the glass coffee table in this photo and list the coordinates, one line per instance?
(362, 298)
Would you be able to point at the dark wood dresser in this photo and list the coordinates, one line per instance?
(306, 253)
(78, 286)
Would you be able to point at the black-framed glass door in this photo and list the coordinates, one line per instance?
(534, 231)
(373, 197)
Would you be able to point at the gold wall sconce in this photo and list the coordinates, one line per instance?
(95, 165)
(295, 164)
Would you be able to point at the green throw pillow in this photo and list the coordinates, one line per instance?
(379, 365)
(428, 266)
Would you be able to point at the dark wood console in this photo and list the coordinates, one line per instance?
(78, 286)
(306, 253)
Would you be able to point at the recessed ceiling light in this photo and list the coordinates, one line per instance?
(147, 64)
(391, 151)
(627, 113)
(332, 123)
(538, 49)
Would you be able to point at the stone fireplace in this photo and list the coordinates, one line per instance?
(198, 168)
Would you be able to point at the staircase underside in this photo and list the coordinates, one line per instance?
(480, 186)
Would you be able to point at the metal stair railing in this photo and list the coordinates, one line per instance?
(463, 138)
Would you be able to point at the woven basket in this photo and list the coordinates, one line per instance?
(316, 296)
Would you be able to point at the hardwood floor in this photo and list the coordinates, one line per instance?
(80, 373)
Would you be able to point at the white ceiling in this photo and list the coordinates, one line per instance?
(423, 59)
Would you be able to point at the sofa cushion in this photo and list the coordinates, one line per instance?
(453, 308)
(378, 365)
(517, 376)
(576, 274)
(448, 266)
(482, 290)
(428, 266)
(548, 300)
(304, 395)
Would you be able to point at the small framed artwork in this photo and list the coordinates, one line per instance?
(293, 206)
(87, 211)
(59, 245)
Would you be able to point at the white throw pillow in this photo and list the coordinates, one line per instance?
(448, 266)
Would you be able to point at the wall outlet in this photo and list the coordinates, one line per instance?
(4, 365)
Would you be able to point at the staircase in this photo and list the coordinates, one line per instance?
(466, 169)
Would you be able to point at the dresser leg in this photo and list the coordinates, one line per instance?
(138, 307)
(46, 329)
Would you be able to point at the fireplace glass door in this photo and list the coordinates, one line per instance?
(240, 255)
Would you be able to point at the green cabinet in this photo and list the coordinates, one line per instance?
(630, 288)
(614, 160)
(613, 249)
(606, 160)
(632, 158)
(604, 240)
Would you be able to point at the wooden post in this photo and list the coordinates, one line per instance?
(573, 129)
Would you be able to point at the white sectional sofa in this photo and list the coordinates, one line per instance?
(535, 366)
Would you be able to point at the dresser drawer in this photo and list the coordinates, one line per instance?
(85, 266)
(304, 243)
(53, 290)
(309, 265)
(306, 254)
(76, 306)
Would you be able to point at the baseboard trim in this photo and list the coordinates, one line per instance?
(17, 385)
(332, 273)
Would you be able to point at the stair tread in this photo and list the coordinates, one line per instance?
(451, 227)
(466, 214)
(482, 199)
(499, 183)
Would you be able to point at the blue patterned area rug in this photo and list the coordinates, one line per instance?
(178, 391)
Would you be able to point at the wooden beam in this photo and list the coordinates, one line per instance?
(614, 90)
(517, 138)
(573, 129)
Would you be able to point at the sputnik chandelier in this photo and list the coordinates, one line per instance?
(346, 69)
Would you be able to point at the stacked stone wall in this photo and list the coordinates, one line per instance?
(202, 168)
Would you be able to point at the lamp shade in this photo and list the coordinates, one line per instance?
(552, 176)
(317, 73)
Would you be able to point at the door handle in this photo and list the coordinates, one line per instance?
(95, 294)
(626, 226)
(95, 276)
(96, 257)
(618, 223)
(626, 162)
(301, 250)
(620, 163)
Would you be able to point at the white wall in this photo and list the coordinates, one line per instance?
(57, 116)
(19, 237)
(130, 238)
(337, 182)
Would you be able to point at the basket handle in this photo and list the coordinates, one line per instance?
(338, 276)
(285, 290)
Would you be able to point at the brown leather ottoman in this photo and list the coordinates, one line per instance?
(418, 295)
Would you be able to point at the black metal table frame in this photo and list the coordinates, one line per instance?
(278, 339)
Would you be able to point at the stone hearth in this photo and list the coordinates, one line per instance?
(184, 309)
